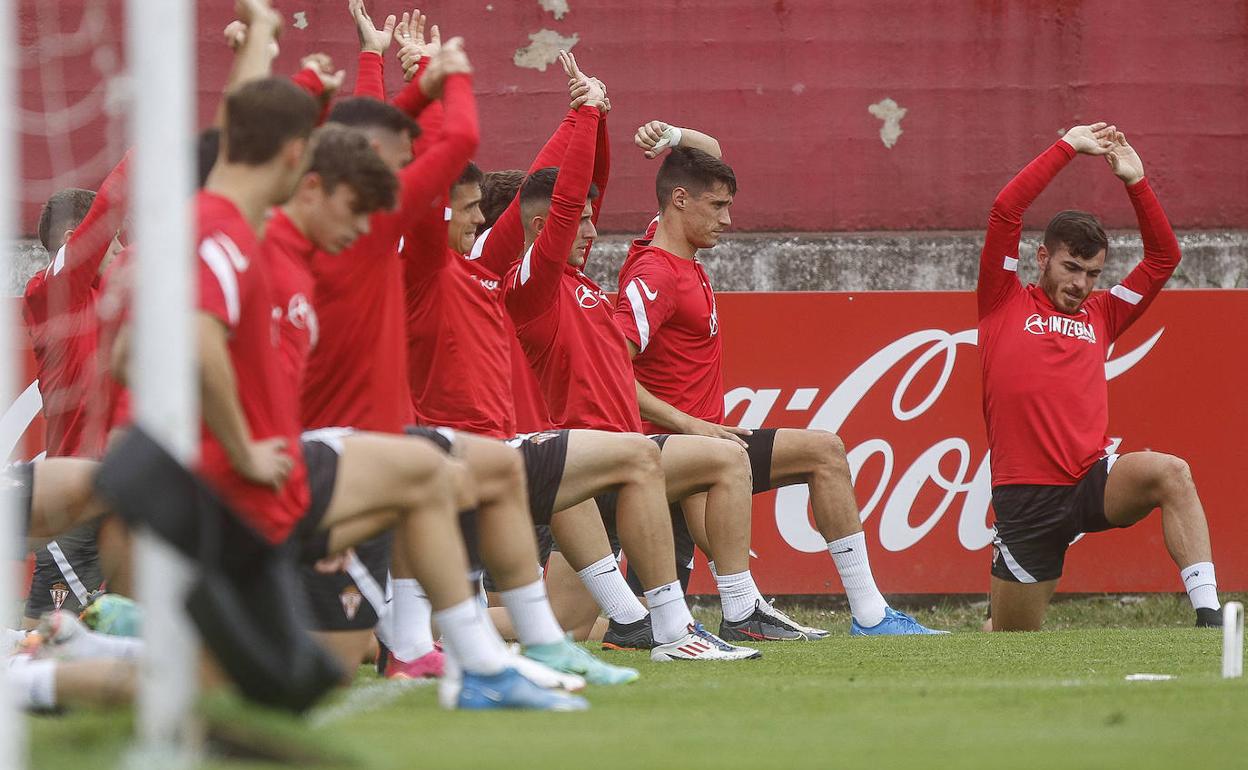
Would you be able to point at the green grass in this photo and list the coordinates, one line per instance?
(1055, 699)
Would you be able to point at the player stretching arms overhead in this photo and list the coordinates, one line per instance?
(668, 315)
(565, 326)
(1046, 402)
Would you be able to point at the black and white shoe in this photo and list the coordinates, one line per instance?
(1207, 617)
(765, 624)
(629, 636)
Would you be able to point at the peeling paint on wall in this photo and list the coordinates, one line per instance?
(301, 20)
(543, 49)
(891, 113)
(558, 7)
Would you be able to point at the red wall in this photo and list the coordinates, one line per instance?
(786, 86)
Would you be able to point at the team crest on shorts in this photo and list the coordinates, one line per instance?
(350, 598)
(60, 592)
(542, 438)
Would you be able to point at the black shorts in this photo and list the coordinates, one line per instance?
(759, 446)
(351, 600)
(444, 438)
(67, 571)
(18, 483)
(320, 456)
(1036, 523)
(545, 455)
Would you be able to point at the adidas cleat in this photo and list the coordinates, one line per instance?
(629, 636)
(895, 623)
(764, 624)
(573, 659)
(509, 689)
(700, 644)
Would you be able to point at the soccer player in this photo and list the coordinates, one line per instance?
(359, 296)
(460, 348)
(1046, 404)
(566, 331)
(670, 321)
(361, 482)
(79, 230)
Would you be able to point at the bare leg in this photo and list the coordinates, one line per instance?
(96, 682)
(574, 606)
(508, 546)
(1020, 606)
(1143, 481)
(721, 469)
(817, 458)
(349, 647)
(597, 462)
(62, 496)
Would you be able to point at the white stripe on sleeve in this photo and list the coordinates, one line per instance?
(219, 263)
(639, 313)
(526, 267)
(478, 246)
(1126, 295)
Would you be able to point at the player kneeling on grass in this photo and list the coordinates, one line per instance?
(1046, 401)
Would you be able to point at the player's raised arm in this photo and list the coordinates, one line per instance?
(998, 262)
(1128, 300)
(318, 77)
(555, 217)
(254, 39)
(87, 246)
(374, 42)
(656, 136)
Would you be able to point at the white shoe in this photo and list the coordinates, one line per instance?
(541, 674)
(700, 644)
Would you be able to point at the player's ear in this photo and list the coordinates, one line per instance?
(537, 223)
(1042, 256)
(680, 198)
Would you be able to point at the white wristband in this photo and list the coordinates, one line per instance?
(671, 138)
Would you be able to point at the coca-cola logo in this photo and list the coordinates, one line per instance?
(893, 500)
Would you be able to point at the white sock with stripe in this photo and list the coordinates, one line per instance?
(32, 681)
(866, 603)
(669, 614)
(1201, 584)
(407, 628)
(468, 640)
(531, 614)
(605, 581)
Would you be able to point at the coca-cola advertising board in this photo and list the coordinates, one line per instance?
(896, 375)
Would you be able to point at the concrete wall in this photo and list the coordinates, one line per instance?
(873, 261)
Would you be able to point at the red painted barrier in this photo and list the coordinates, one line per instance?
(896, 375)
(786, 85)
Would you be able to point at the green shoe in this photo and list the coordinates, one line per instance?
(573, 659)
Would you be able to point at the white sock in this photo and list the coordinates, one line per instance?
(33, 681)
(408, 633)
(467, 640)
(605, 581)
(738, 595)
(96, 645)
(669, 615)
(866, 603)
(11, 639)
(1201, 585)
(531, 614)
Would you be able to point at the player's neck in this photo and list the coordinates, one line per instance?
(671, 240)
(249, 188)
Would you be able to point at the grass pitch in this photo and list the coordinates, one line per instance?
(1055, 699)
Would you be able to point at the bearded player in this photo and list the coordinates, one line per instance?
(1046, 401)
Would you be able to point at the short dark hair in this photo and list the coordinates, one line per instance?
(540, 186)
(498, 190)
(65, 210)
(1079, 231)
(366, 112)
(207, 148)
(471, 174)
(694, 170)
(343, 155)
(264, 115)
